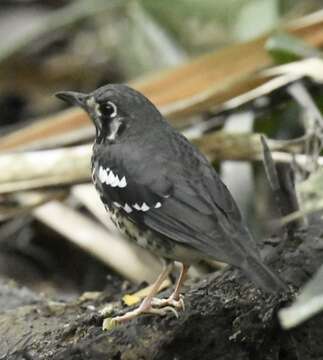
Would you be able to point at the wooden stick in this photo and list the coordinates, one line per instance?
(37, 169)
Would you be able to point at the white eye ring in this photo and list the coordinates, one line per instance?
(114, 106)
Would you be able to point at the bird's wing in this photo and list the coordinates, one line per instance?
(188, 204)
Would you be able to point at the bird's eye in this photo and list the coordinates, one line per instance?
(109, 109)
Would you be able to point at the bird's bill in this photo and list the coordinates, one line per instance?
(73, 98)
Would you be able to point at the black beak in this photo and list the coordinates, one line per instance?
(73, 98)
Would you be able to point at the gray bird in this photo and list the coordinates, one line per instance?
(163, 194)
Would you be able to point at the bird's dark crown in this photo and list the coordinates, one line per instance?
(115, 108)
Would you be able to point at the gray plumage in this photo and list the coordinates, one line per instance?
(173, 196)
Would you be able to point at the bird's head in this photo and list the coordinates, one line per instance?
(115, 109)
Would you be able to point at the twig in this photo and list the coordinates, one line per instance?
(307, 209)
(287, 158)
(313, 123)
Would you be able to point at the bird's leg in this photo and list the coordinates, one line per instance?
(180, 281)
(146, 305)
(175, 299)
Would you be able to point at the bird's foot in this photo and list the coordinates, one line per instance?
(176, 304)
(144, 308)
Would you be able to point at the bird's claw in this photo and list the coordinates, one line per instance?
(157, 307)
(170, 302)
(162, 311)
(111, 323)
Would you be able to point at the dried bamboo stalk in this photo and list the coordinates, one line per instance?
(88, 196)
(66, 166)
(20, 203)
(37, 169)
(121, 256)
(64, 127)
(205, 82)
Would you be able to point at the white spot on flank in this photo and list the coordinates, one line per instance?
(127, 208)
(145, 207)
(122, 183)
(115, 181)
(136, 206)
(107, 176)
(103, 176)
(117, 204)
(110, 178)
(158, 205)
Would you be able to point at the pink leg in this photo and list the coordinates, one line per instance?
(180, 281)
(175, 299)
(146, 305)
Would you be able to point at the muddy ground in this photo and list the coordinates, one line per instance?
(226, 317)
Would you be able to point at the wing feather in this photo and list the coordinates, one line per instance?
(197, 210)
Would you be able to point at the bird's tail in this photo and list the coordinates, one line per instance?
(262, 276)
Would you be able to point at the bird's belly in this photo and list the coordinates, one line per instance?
(152, 241)
(142, 237)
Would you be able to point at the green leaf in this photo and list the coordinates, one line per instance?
(285, 48)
